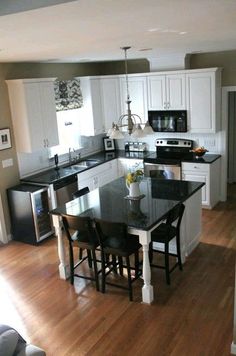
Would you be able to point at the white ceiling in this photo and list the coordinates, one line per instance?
(94, 30)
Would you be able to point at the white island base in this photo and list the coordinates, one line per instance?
(190, 234)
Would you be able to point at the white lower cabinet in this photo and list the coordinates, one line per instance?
(208, 174)
(98, 176)
(125, 165)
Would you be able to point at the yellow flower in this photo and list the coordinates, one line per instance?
(133, 177)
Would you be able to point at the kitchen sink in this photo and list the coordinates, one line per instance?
(85, 164)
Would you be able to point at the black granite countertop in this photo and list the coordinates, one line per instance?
(52, 175)
(207, 158)
(159, 197)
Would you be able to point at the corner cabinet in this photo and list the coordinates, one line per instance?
(166, 92)
(203, 91)
(98, 176)
(33, 110)
(138, 95)
(208, 174)
(91, 121)
(110, 98)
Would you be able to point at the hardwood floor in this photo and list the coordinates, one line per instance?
(193, 316)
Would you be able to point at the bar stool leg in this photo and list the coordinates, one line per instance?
(167, 268)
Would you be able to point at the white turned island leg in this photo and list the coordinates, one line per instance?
(147, 290)
(63, 267)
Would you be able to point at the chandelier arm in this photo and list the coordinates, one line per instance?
(134, 116)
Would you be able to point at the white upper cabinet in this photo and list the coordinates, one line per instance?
(91, 123)
(166, 92)
(110, 98)
(33, 110)
(138, 96)
(204, 100)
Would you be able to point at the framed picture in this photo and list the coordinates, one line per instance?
(109, 144)
(5, 139)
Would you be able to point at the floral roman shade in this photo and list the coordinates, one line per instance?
(68, 94)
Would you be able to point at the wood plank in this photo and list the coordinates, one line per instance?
(192, 316)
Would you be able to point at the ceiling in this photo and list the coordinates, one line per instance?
(94, 30)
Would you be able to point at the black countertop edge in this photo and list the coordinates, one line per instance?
(52, 175)
(208, 159)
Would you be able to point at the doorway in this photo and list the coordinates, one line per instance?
(231, 137)
(228, 172)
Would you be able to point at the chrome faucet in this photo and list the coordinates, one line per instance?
(70, 155)
(73, 156)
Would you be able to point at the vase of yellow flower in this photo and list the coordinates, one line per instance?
(132, 183)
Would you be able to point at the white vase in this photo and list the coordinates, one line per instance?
(134, 190)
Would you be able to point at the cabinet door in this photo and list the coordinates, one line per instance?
(33, 105)
(201, 102)
(138, 96)
(48, 111)
(96, 107)
(110, 97)
(126, 165)
(156, 92)
(191, 176)
(175, 92)
(33, 112)
(90, 123)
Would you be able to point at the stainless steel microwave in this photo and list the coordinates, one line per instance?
(168, 121)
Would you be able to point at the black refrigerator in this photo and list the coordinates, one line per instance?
(29, 213)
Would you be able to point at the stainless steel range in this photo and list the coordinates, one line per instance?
(166, 162)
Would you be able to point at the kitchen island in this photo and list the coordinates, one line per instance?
(111, 203)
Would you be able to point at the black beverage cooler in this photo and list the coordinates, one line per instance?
(29, 212)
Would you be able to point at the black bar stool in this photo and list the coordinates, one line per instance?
(164, 233)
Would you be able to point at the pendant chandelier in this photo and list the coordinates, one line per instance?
(132, 122)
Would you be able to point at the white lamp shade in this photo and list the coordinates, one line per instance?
(138, 132)
(148, 129)
(116, 134)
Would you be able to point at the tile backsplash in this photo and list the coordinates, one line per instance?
(32, 163)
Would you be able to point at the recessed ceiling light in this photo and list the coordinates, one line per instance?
(182, 33)
(153, 29)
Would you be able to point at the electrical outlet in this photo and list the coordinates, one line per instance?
(7, 163)
(209, 142)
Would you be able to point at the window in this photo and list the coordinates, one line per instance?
(68, 131)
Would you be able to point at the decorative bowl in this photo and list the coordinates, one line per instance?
(199, 151)
(200, 154)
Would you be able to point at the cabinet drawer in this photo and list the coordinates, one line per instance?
(195, 167)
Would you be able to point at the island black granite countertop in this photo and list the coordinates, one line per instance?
(111, 203)
(52, 175)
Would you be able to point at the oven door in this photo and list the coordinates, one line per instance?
(163, 171)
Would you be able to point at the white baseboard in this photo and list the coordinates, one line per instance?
(233, 348)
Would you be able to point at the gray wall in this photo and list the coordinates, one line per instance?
(225, 60)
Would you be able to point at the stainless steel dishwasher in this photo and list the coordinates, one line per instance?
(64, 189)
